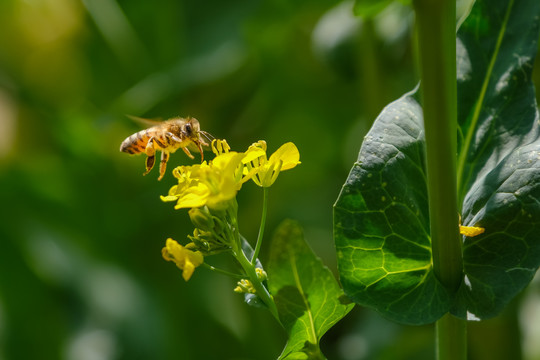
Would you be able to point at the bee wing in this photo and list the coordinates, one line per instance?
(145, 122)
(193, 147)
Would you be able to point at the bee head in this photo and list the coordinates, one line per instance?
(192, 128)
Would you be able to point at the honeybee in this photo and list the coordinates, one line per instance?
(167, 136)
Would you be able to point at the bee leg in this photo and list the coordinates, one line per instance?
(170, 135)
(188, 153)
(150, 153)
(163, 164)
(201, 151)
(149, 163)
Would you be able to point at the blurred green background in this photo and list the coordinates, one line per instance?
(81, 272)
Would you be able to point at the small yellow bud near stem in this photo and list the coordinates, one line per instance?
(245, 286)
(471, 231)
(261, 274)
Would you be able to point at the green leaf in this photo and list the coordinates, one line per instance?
(381, 222)
(308, 297)
(499, 152)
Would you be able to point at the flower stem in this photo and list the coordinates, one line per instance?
(261, 228)
(247, 265)
(261, 290)
(221, 271)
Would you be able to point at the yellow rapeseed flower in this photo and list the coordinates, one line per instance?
(215, 183)
(187, 260)
(211, 184)
(265, 171)
(190, 191)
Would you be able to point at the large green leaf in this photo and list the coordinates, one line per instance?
(308, 297)
(381, 222)
(499, 152)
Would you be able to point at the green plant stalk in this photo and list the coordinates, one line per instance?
(261, 290)
(436, 21)
(247, 266)
(261, 227)
(451, 334)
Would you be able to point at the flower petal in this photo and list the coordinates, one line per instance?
(288, 153)
(185, 259)
(188, 270)
(169, 198)
(254, 153)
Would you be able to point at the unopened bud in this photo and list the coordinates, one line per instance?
(261, 274)
(201, 218)
(244, 286)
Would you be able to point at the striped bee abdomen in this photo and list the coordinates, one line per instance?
(136, 143)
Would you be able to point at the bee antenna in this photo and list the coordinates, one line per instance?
(206, 135)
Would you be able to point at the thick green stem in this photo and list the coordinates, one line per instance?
(451, 338)
(436, 21)
(437, 42)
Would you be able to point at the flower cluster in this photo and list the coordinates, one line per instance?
(214, 183)
(209, 190)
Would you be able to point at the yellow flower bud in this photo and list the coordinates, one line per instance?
(245, 286)
(201, 218)
(261, 274)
